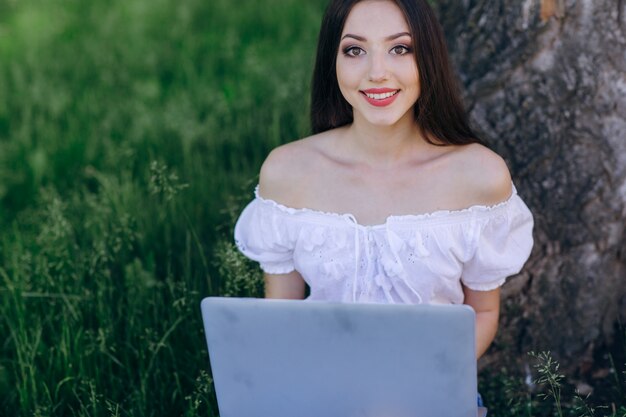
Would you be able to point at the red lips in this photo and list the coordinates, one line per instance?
(380, 102)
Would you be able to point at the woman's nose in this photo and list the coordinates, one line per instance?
(378, 67)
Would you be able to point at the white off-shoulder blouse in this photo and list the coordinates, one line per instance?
(409, 259)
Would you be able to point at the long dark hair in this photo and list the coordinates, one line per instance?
(439, 111)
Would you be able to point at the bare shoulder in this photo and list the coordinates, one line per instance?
(483, 173)
(287, 168)
(280, 170)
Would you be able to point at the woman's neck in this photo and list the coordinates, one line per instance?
(384, 146)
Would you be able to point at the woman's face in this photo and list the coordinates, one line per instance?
(376, 67)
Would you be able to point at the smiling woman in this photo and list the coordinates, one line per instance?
(379, 69)
(429, 52)
(393, 199)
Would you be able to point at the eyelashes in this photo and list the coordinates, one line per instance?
(401, 49)
(353, 51)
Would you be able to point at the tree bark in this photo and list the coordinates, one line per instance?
(545, 85)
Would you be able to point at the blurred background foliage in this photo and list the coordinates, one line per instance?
(131, 134)
(126, 130)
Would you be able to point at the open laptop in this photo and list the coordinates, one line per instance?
(294, 358)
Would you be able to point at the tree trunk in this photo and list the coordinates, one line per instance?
(545, 84)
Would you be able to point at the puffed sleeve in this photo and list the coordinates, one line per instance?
(501, 244)
(263, 234)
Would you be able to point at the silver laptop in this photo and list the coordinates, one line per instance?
(288, 358)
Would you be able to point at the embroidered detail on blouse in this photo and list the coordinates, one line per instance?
(407, 259)
(409, 218)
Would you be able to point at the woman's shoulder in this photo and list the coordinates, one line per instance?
(481, 174)
(289, 167)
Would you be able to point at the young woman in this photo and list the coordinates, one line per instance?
(393, 199)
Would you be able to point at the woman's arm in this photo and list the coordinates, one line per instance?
(291, 285)
(487, 180)
(486, 304)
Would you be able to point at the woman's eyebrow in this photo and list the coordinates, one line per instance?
(388, 38)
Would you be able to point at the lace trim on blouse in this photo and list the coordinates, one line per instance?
(395, 218)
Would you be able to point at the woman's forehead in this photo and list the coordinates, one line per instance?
(375, 19)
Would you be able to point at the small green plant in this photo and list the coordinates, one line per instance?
(519, 399)
(582, 408)
(202, 398)
(550, 378)
(240, 277)
(164, 182)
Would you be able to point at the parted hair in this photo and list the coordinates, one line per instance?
(439, 110)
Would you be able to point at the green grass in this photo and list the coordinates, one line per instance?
(131, 134)
(125, 128)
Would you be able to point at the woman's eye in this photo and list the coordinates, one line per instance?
(353, 51)
(400, 50)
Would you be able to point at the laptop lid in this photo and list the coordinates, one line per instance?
(293, 358)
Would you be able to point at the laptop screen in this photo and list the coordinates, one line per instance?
(286, 358)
